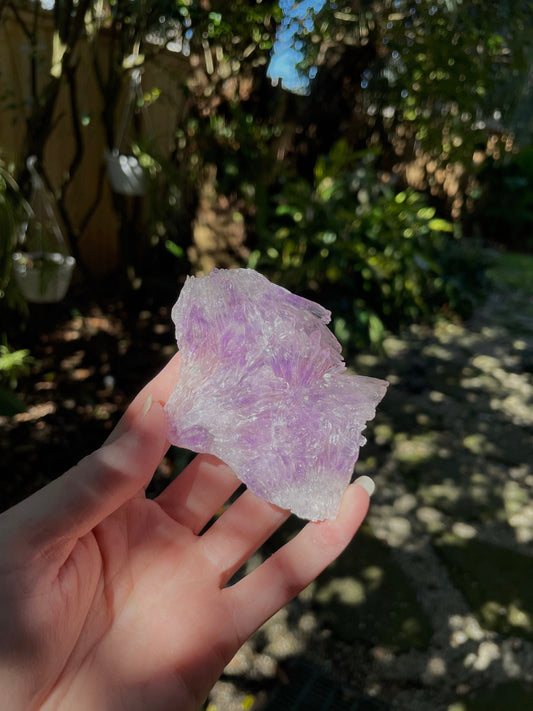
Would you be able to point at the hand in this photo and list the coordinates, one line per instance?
(110, 601)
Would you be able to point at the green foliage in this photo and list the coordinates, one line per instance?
(449, 68)
(237, 26)
(505, 209)
(375, 256)
(171, 200)
(448, 71)
(13, 364)
(415, 79)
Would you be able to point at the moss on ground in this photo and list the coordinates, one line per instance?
(495, 581)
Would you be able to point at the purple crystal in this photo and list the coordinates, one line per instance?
(263, 386)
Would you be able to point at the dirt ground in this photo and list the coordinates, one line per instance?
(90, 357)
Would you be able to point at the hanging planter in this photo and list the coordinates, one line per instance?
(125, 172)
(43, 277)
(42, 265)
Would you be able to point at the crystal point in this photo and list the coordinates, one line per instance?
(263, 386)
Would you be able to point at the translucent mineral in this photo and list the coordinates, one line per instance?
(263, 386)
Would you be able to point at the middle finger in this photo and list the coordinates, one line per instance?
(199, 491)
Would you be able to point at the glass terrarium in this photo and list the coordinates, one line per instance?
(42, 263)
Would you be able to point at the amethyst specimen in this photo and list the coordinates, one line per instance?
(263, 387)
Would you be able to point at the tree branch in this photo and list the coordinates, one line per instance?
(84, 222)
(70, 71)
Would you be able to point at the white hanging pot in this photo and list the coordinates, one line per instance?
(43, 277)
(42, 265)
(125, 174)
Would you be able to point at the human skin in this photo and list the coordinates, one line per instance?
(110, 601)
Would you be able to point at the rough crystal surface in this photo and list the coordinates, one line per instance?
(263, 386)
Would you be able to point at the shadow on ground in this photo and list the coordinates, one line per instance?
(90, 356)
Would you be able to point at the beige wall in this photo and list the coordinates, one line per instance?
(99, 244)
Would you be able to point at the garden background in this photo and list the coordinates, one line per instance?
(376, 157)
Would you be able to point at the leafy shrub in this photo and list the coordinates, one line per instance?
(376, 257)
(13, 364)
(505, 209)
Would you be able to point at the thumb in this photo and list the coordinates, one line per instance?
(74, 503)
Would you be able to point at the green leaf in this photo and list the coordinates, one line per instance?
(426, 213)
(174, 248)
(440, 225)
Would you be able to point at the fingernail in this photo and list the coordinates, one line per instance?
(366, 483)
(147, 405)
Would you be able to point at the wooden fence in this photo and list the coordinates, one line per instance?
(99, 240)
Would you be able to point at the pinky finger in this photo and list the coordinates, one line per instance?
(287, 572)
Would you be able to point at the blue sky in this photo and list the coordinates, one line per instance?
(287, 49)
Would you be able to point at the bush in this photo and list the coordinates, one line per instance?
(13, 364)
(376, 257)
(505, 209)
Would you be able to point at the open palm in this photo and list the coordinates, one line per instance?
(111, 601)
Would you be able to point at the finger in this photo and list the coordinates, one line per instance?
(199, 491)
(157, 390)
(295, 565)
(72, 505)
(239, 532)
